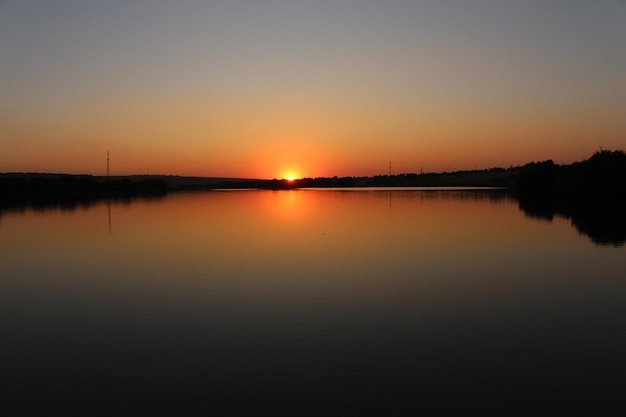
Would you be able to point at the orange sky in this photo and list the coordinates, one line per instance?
(270, 89)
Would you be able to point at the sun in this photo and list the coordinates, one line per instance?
(290, 175)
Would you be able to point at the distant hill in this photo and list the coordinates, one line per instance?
(602, 176)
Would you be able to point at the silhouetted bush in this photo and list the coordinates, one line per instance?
(603, 176)
(538, 179)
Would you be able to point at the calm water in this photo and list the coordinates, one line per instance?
(303, 301)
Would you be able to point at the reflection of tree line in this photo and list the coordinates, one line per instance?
(591, 193)
(68, 204)
(493, 195)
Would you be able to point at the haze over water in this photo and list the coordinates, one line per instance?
(323, 301)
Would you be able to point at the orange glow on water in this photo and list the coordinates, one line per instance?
(360, 232)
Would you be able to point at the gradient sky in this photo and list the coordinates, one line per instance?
(273, 88)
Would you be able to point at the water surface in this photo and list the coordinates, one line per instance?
(329, 301)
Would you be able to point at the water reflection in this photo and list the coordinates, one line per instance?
(604, 223)
(109, 214)
(69, 204)
(302, 301)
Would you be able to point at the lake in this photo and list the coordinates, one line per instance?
(322, 302)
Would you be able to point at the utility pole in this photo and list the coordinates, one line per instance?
(390, 169)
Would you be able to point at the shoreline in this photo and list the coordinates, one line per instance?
(602, 175)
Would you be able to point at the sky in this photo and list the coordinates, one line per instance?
(272, 88)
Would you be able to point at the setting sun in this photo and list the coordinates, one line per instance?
(290, 178)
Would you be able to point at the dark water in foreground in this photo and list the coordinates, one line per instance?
(308, 302)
